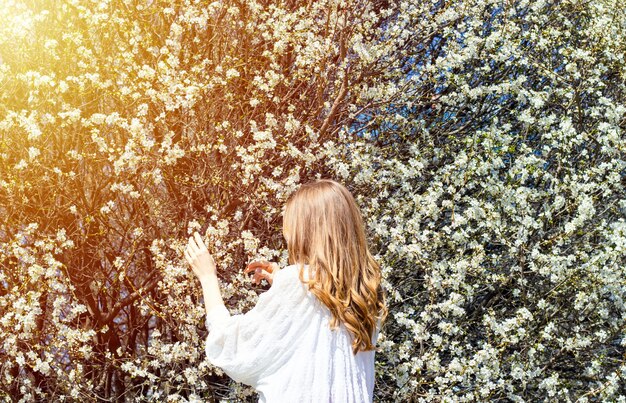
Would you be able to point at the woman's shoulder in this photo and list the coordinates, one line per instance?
(288, 289)
(292, 272)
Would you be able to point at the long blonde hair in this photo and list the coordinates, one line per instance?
(323, 227)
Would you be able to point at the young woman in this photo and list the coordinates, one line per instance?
(311, 337)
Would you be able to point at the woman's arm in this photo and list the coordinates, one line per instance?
(204, 268)
(250, 346)
(211, 292)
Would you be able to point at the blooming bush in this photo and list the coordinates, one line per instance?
(484, 143)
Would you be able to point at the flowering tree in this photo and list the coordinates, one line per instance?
(484, 142)
(498, 172)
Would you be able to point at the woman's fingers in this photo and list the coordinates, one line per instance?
(193, 248)
(260, 274)
(196, 244)
(199, 258)
(262, 269)
(199, 242)
(254, 265)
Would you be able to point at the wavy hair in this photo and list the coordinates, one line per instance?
(323, 227)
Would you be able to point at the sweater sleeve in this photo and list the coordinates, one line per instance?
(247, 346)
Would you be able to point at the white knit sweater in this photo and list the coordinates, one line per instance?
(285, 349)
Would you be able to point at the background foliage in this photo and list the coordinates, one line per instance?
(484, 141)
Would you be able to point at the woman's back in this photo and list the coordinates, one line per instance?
(312, 335)
(284, 347)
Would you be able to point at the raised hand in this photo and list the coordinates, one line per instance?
(199, 258)
(262, 270)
